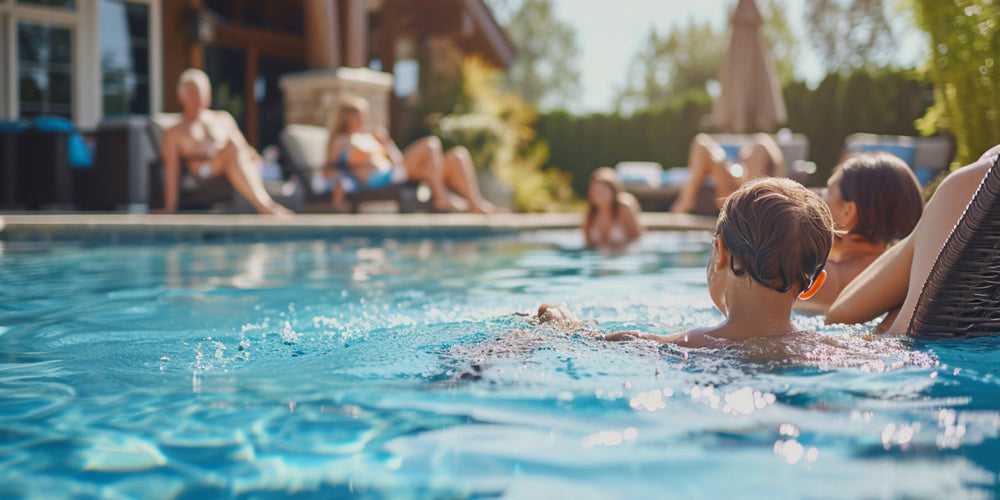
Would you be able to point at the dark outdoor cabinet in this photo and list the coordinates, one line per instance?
(8, 169)
(43, 170)
(119, 179)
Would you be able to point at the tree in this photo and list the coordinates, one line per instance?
(965, 70)
(680, 62)
(851, 34)
(545, 70)
(781, 39)
(684, 61)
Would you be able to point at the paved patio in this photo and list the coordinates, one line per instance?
(115, 228)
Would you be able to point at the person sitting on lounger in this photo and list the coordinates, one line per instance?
(211, 145)
(707, 159)
(612, 218)
(892, 284)
(875, 200)
(361, 160)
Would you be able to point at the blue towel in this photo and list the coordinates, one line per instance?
(12, 127)
(732, 152)
(79, 154)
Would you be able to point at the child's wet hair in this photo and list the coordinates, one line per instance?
(778, 232)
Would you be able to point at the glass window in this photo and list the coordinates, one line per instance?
(44, 70)
(223, 9)
(125, 45)
(60, 4)
(226, 69)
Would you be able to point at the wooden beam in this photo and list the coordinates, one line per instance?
(180, 51)
(322, 37)
(355, 28)
(250, 98)
(388, 33)
(267, 42)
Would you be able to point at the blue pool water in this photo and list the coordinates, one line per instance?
(396, 368)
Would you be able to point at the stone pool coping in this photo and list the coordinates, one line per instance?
(116, 228)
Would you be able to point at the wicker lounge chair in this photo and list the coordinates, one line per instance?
(961, 297)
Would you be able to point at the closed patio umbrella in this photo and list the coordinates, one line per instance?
(751, 93)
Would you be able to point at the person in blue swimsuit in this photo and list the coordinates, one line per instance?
(358, 160)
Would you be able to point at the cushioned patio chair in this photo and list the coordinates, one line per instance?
(303, 148)
(961, 297)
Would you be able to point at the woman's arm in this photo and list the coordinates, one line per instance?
(629, 218)
(391, 149)
(878, 289)
(171, 170)
(335, 146)
(590, 242)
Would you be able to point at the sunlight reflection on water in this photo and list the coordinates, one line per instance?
(397, 368)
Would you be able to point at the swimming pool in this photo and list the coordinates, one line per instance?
(396, 368)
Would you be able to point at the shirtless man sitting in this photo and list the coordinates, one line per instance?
(211, 144)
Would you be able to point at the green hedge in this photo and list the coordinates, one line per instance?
(888, 102)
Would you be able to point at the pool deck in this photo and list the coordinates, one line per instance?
(120, 228)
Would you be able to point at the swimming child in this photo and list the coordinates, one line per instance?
(771, 243)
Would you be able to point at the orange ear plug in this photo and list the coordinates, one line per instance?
(816, 285)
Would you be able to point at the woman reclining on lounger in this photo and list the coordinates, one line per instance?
(892, 284)
(361, 160)
(707, 159)
(875, 200)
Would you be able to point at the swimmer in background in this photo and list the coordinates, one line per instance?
(771, 243)
(612, 218)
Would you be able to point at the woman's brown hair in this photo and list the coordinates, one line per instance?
(610, 178)
(886, 193)
(348, 105)
(778, 232)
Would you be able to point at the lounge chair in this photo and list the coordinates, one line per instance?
(927, 156)
(304, 150)
(961, 297)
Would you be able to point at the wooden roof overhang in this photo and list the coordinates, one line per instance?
(469, 22)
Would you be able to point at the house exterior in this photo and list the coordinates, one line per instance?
(88, 60)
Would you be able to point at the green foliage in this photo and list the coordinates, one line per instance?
(675, 65)
(579, 144)
(879, 102)
(496, 127)
(965, 55)
(851, 34)
(883, 102)
(681, 61)
(545, 71)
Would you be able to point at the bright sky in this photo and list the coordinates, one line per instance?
(609, 33)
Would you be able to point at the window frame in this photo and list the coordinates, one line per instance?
(87, 96)
(58, 18)
(155, 57)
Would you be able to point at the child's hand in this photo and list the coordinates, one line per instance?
(558, 315)
(626, 336)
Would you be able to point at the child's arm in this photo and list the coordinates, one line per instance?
(692, 338)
